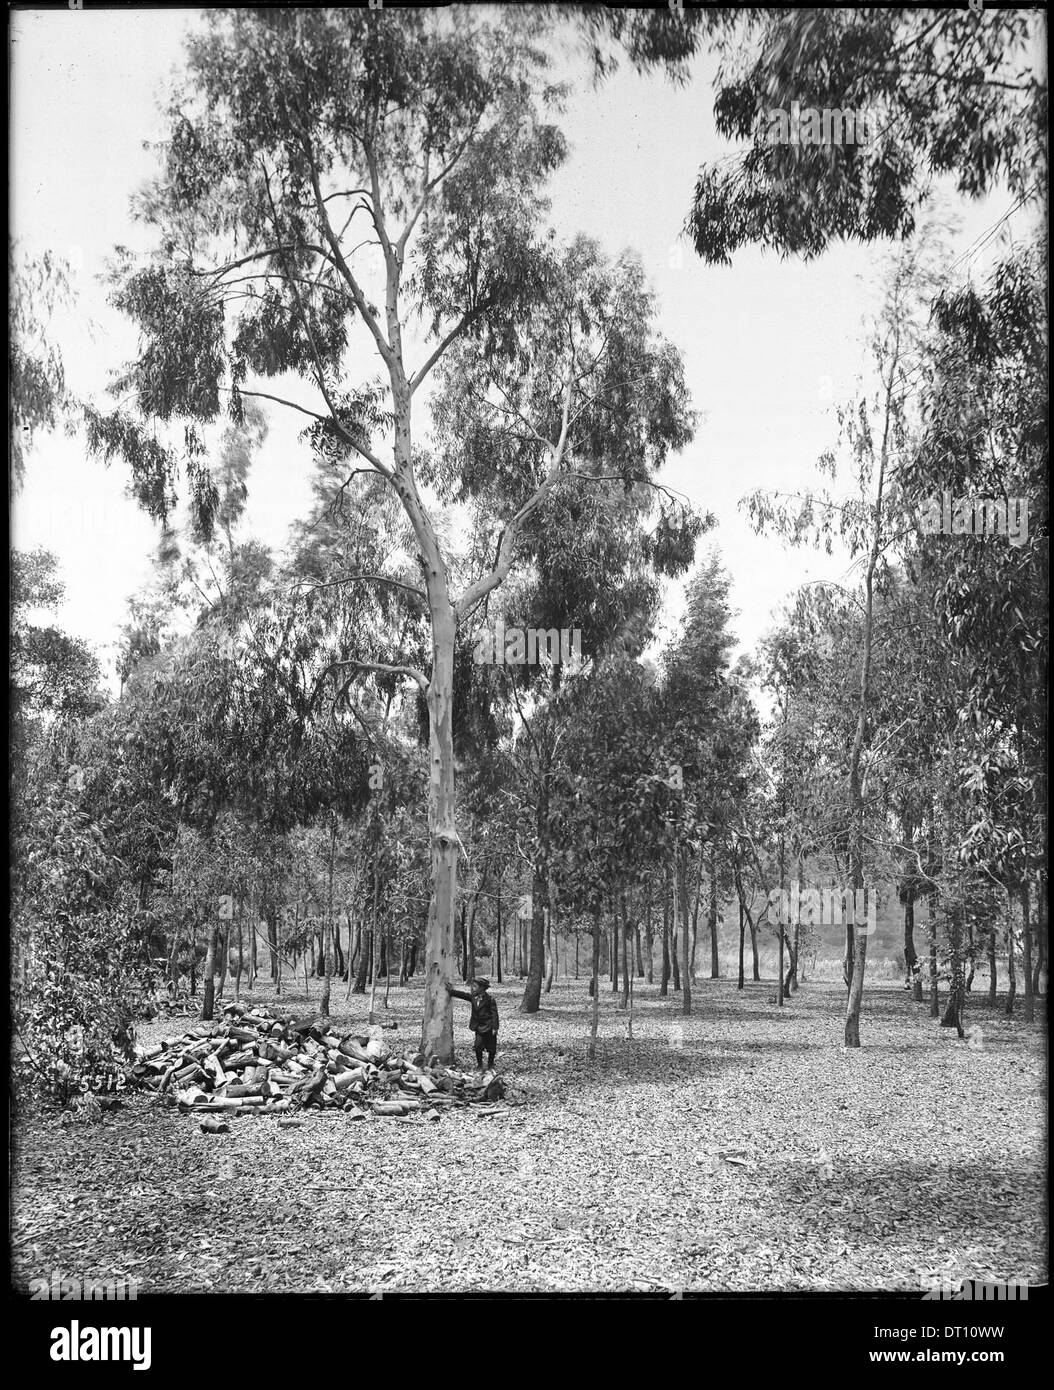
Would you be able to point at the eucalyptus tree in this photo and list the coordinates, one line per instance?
(894, 97)
(432, 129)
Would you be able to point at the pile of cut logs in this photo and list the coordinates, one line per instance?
(258, 1061)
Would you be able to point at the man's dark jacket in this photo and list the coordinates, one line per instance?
(484, 1016)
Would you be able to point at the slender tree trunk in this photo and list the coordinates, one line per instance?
(388, 977)
(209, 1000)
(756, 964)
(550, 952)
(254, 932)
(911, 959)
(173, 961)
(1041, 934)
(779, 980)
(993, 981)
(636, 943)
(935, 1003)
(686, 974)
(1011, 963)
(241, 954)
(595, 984)
(742, 943)
(193, 956)
(957, 991)
(1026, 944)
(695, 912)
(225, 957)
(497, 934)
(664, 983)
(649, 939)
(271, 917)
(532, 994)
(625, 950)
(715, 963)
(327, 947)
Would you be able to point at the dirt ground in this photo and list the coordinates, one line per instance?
(738, 1148)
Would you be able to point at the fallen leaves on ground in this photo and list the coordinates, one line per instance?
(738, 1148)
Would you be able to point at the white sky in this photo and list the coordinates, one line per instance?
(769, 345)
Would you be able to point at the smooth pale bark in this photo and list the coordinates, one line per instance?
(858, 959)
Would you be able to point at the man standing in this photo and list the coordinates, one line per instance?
(483, 1020)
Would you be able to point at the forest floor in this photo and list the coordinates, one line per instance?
(739, 1148)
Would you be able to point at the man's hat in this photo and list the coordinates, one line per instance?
(481, 981)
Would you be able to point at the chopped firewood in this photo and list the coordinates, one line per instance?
(212, 1126)
(242, 1066)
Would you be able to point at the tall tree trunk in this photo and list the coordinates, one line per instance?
(532, 994)
(911, 959)
(550, 952)
(388, 977)
(957, 990)
(858, 960)
(756, 964)
(173, 961)
(625, 950)
(241, 953)
(1041, 934)
(686, 974)
(742, 942)
(1026, 945)
(193, 956)
(225, 956)
(437, 1029)
(993, 981)
(374, 964)
(649, 940)
(271, 918)
(935, 1003)
(208, 1002)
(695, 913)
(664, 983)
(595, 984)
(715, 963)
(1011, 964)
(327, 947)
(497, 934)
(254, 932)
(636, 943)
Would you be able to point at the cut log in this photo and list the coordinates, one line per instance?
(209, 1125)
